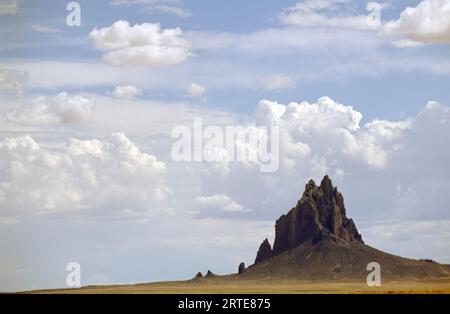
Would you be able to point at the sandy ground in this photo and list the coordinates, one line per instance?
(233, 286)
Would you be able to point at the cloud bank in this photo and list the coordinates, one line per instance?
(97, 179)
(60, 109)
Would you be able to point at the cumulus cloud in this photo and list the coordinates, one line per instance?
(279, 81)
(9, 7)
(324, 113)
(428, 22)
(126, 91)
(197, 91)
(381, 166)
(333, 130)
(61, 109)
(324, 13)
(314, 139)
(141, 44)
(104, 179)
(164, 6)
(327, 129)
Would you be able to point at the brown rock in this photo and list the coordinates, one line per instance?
(209, 274)
(241, 268)
(320, 211)
(264, 252)
(315, 241)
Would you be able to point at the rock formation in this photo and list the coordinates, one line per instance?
(319, 213)
(209, 274)
(241, 268)
(264, 251)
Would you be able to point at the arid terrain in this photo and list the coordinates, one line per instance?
(229, 284)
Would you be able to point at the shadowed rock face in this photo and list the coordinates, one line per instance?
(209, 274)
(241, 268)
(264, 251)
(319, 212)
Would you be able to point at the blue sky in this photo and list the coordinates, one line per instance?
(86, 116)
(381, 93)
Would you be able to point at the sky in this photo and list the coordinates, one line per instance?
(359, 91)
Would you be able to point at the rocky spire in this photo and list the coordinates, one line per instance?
(320, 210)
(241, 268)
(264, 252)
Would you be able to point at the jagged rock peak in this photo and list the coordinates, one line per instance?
(320, 211)
(326, 185)
(311, 185)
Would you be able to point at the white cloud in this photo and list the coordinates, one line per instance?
(279, 81)
(269, 112)
(197, 91)
(126, 91)
(61, 109)
(326, 127)
(141, 44)
(324, 13)
(45, 29)
(178, 11)
(282, 41)
(428, 22)
(406, 43)
(321, 115)
(13, 80)
(107, 115)
(217, 204)
(9, 7)
(164, 6)
(103, 179)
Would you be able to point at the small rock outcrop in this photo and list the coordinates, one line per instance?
(209, 274)
(199, 275)
(241, 268)
(319, 212)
